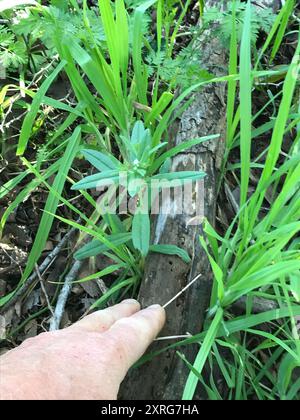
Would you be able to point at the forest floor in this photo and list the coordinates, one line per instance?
(22, 208)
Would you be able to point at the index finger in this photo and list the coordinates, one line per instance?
(101, 321)
(133, 335)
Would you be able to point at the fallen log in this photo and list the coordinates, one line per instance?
(164, 376)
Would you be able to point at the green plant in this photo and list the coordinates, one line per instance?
(258, 257)
(141, 160)
(123, 72)
(21, 51)
(262, 19)
(12, 53)
(107, 107)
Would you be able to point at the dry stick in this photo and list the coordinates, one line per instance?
(260, 305)
(65, 291)
(44, 266)
(172, 300)
(102, 286)
(63, 296)
(182, 291)
(44, 289)
(173, 337)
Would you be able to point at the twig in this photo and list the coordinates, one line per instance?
(101, 286)
(63, 296)
(36, 79)
(182, 291)
(44, 266)
(43, 289)
(173, 337)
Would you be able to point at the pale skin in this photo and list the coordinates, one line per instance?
(88, 360)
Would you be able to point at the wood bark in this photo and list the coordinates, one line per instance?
(164, 376)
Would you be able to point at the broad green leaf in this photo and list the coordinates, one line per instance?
(138, 132)
(180, 148)
(122, 36)
(98, 180)
(218, 289)
(171, 250)
(181, 177)
(232, 84)
(141, 232)
(100, 161)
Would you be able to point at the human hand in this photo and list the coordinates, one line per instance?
(88, 360)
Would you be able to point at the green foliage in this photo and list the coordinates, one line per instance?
(137, 168)
(123, 63)
(30, 117)
(257, 257)
(52, 203)
(59, 21)
(13, 52)
(28, 37)
(261, 20)
(182, 71)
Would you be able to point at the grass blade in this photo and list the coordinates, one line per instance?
(37, 100)
(52, 203)
(191, 383)
(246, 104)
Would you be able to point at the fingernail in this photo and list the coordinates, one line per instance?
(130, 301)
(154, 307)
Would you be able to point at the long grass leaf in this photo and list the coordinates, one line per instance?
(246, 104)
(34, 108)
(52, 203)
(191, 383)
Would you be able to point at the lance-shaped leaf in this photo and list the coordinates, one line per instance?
(101, 161)
(183, 176)
(96, 247)
(97, 180)
(171, 250)
(141, 232)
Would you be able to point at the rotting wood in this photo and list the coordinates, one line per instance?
(164, 376)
